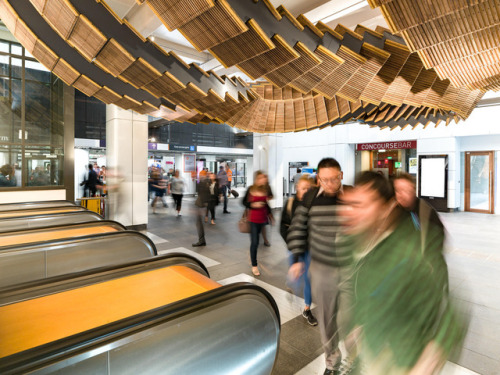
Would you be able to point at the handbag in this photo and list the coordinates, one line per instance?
(243, 223)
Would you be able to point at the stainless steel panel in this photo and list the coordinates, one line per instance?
(57, 219)
(34, 262)
(237, 337)
(23, 267)
(102, 252)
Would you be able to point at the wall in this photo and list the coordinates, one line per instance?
(481, 131)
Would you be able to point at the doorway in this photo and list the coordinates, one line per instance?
(479, 182)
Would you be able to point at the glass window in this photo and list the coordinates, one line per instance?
(44, 166)
(16, 49)
(4, 46)
(10, 166)
(4, 65)
(31, 133)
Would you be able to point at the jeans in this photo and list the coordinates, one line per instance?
(177, 200)
(223, 190)
(255, 229)
(303, 280)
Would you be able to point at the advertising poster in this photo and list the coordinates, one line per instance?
(190, 163)
(412, 162)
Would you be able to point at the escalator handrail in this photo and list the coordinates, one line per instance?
(88, 237)
(36, 202)
(79, 210)
(48, 216)
(59, 350)
(60, 283)
(64, 226)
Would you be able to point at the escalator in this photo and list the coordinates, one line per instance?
(156, 316)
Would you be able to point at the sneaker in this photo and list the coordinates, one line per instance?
(349, 364)
(310, 317)
(331, 372)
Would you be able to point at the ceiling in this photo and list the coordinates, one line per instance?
(332, 12)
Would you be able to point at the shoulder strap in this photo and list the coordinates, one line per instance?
(309, 197)
(424, 213)
(289, 206)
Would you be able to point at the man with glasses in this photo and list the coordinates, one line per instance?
(314, 228)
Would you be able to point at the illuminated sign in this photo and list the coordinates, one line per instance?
(399, 145)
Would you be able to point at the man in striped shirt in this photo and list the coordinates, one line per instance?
(314, 228)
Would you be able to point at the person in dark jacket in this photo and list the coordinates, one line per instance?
(213, 201)
(303, 184)
(91, 182)
(201, 208)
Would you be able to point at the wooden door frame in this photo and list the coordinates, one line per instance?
(491, 179)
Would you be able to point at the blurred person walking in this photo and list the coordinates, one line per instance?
(160, 187)
(91, 183)
(229, 174)
(213, 201)
(7, 176)
(222, 177)
(401, 307)
(269, 216)
(177, 190)
(255, 201)
(314, 228)
(201, 203)
(423, 214)
(302, 186)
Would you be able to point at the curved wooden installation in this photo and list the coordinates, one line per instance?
(373, 74)
(467, 55)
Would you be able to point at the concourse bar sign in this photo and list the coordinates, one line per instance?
(396, 145)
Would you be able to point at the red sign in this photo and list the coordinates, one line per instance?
(398, 145)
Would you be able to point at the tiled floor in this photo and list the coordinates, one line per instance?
(473, 258)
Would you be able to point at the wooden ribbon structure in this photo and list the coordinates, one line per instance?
(315, 76)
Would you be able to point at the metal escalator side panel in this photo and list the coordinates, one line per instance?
(24, 263)
(233, 329)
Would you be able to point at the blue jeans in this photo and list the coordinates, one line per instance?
(303, 280)
(255, 229)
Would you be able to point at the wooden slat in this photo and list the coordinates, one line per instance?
(269, 61)
(213, 27)
(296, 68)
(66, 72)
(86, 38)
(113, 58)
(140, 73)
(243, 47)
(175, 13)
(61, 15)
(86, 85)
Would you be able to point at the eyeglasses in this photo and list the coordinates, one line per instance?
(327, 181)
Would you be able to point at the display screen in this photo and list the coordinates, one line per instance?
(432, 177)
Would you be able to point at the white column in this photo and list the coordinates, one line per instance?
(268, 156)
(126, 155)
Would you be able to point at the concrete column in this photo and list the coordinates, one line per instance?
(126, 155)
(268, 156)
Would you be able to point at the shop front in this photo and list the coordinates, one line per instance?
(388, 158)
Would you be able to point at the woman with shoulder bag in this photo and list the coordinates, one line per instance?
(303, 185)
(255, 201)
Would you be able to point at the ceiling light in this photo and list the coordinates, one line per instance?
(344, 12)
